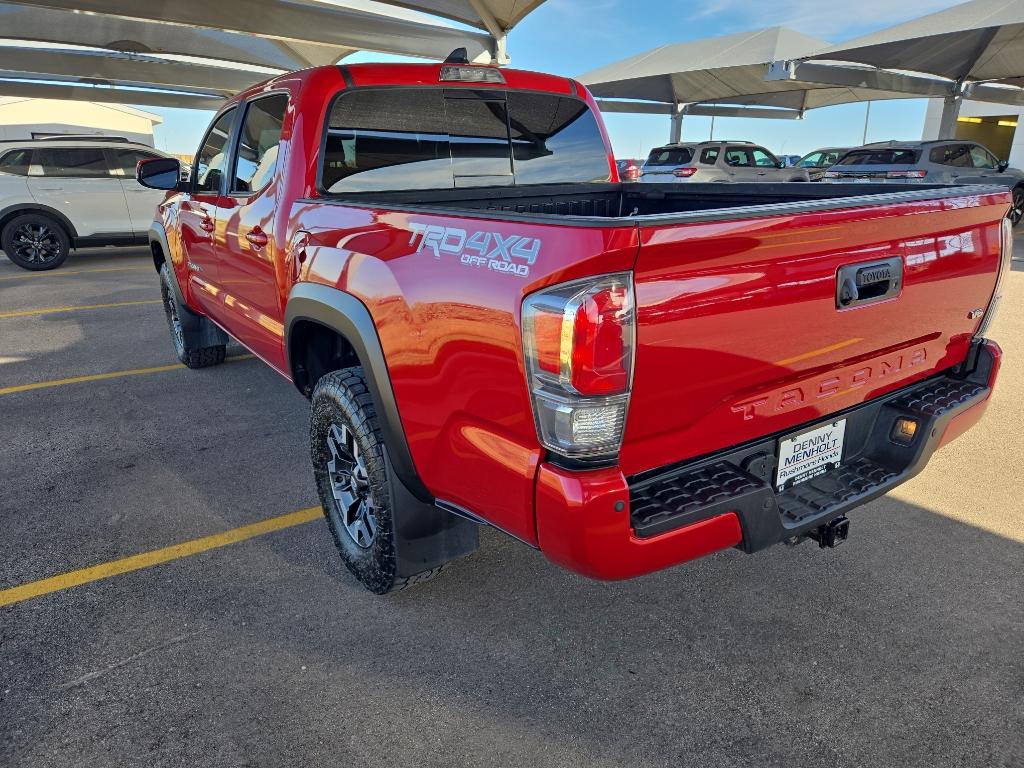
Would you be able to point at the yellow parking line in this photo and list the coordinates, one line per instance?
(101, 376)
(64, 272)
(52, 310)
(155, 557)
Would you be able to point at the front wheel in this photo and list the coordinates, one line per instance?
(1017, 207)
(35, 242)
(352, 480)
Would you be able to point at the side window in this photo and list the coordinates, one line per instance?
(69, 162)
(387, 140)
(555, 140)
(125, 161)
(258, 143)
(812, 160)
(212, 155)
(955, 155)
(763, 158)
(738, 157)
(709, 155)
(16, 162)
(982, 158)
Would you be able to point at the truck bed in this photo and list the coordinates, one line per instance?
(609, 204)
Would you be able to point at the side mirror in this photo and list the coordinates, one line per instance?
(1003, 165)
(781, 164)
(159, 173)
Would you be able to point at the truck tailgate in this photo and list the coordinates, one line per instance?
(740, 334)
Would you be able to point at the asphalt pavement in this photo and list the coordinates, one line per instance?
(904, 647)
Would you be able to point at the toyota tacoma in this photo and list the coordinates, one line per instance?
(493, 330)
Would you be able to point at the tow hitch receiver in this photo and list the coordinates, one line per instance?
(832, 534)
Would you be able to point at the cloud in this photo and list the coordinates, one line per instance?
(819, 18)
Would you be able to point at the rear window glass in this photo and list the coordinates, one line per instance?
(957, 155)
(670, 156)
(709, 156)
(555, 140)
(879, 157)
(429, 138)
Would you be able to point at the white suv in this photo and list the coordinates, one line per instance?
(68, 192)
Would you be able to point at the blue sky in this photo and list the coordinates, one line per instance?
(570, 37)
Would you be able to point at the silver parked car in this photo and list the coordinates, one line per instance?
(716, 161)
(947, 161)
(820, 160)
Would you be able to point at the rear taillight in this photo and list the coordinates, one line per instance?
(906, 174)
(684, 173)
(1005, 254)
(578, 339)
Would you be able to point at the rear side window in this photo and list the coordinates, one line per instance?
(69, 162)
(956, 155)
(16, 162)
(709, 155)
(432, 138)
(879, 157)
(258, 142)
(738, 157)
(670, 156)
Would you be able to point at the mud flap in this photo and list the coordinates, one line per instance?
(426, 536)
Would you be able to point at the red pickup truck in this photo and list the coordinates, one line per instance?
(493, 330)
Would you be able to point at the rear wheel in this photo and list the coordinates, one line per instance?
(1017, 208)
(35, 241)
(347, 450)
(188, 353)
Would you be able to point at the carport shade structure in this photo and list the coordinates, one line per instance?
(974, 50)
(719, 76)
(130, 44)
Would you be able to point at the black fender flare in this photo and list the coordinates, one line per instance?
(19, 208)
(199, 331)
(348, 316)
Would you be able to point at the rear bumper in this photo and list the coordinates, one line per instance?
(603, 525)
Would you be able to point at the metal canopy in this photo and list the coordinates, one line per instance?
(46, 25)
(122, 93)
(713, 69)
(974, 50)
(303, 21)
(979, 40)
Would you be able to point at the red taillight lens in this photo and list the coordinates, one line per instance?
(600, 355)
(578, 340)
(906, 174)
(684, 173)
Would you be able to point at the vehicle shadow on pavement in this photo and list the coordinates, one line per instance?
(902, 647)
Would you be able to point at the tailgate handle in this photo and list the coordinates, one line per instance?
(868, 282)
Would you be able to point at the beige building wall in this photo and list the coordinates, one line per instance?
(27, 118)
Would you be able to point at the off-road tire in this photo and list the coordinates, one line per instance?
(1017, 208)
(54, 242)
(189, 354)
(341, 399)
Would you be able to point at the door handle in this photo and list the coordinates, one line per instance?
(858, 284)
(207, 224)
(257, 237)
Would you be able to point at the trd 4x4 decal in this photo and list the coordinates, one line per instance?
(511, 254)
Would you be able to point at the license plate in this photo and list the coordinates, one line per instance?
(809, 454)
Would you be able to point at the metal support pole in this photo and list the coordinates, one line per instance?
(676, 133)
(711, 136)
(950, 112)
(867, 117)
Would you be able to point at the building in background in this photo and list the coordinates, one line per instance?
(994, 125)
(22, 119)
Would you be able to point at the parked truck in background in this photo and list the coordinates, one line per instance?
(493, 330)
